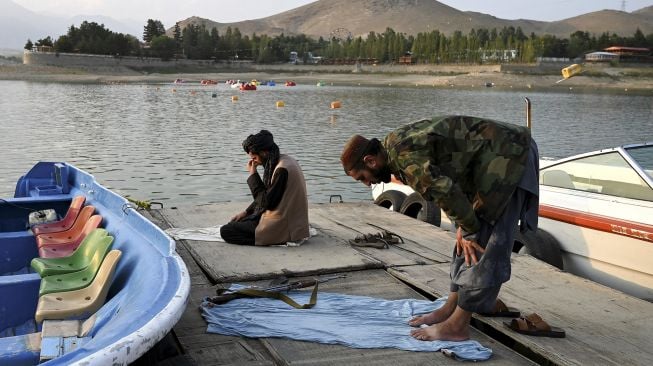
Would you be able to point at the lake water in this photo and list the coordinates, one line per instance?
(183, 147)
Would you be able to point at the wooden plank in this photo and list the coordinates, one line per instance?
(392, 256)
(214, 349)
(225, 262)
(230, 353)
(376, 283)
(421, 239)
(603, 326)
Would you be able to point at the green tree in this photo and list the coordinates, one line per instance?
(63, 44)
(579, 44)
(639, 40)
(164, 47)
(177, 35)
(153, 28)
(47, 41)
(94, 38)
(29, 45)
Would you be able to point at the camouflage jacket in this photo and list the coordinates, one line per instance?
(469, 166)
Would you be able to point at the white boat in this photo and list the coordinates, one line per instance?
(596, 216)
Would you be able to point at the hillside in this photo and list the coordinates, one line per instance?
(612, 21)
(359, 17)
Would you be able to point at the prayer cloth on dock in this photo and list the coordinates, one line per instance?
(212, 233)
(352, 321)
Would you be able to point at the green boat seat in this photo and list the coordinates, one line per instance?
(75, 280)
(64, 224)
(82, 303)
(98, 239)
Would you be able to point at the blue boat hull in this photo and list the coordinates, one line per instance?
(146, 298)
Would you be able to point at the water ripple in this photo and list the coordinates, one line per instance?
(181, 146)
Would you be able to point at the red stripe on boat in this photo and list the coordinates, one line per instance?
(598, 222)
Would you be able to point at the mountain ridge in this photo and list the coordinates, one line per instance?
(324, 17)
(359, 17)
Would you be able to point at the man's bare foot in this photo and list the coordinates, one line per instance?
(434, 317)
(428, 319)
(441, 332)
(454, 328)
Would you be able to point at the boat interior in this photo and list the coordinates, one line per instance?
(124, 273)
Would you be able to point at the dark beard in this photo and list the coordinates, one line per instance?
(382, 174)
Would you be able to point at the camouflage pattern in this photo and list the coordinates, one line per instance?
(469, 166)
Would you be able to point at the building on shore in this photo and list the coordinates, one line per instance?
(631, 54)
(601, 56)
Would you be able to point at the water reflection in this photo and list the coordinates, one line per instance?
(183, 147)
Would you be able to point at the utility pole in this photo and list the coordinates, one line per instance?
(623, 5)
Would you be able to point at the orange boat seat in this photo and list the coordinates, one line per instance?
(64, 224)
(70, 234)
(64, 248)
(82, 303)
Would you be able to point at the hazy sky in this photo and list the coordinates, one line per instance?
(170, 11)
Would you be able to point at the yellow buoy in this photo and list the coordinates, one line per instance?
(571, 70)
(280, 103)
(335, 105)
(234, 98)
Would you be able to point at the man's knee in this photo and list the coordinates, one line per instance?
(478, 300)
(227, 231)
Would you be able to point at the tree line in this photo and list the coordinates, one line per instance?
(198, 42)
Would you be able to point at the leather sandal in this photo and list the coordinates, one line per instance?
(502, 310)
(534, 325)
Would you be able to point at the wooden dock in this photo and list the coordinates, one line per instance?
(603, 326)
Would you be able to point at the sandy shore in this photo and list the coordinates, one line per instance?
(614, 81)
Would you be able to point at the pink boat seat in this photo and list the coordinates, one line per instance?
(64, 224)
(61, 248)
(69, 235)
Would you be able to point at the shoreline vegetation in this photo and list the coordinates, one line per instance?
(619, 80)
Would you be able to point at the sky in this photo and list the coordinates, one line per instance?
(224, 11)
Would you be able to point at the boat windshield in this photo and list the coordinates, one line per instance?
(606, 173)
(643, 155)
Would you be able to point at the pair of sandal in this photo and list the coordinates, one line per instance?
(531, 324)
(380, 240)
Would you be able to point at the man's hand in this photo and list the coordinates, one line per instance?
(468, 247)
(251, 166)
(239, 216)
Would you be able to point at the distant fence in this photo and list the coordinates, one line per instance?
(84, 60)
(103, 61)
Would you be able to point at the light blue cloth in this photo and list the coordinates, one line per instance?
(353, 321)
